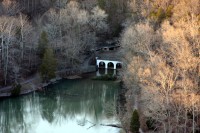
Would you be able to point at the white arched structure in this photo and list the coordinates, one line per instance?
(107, 62)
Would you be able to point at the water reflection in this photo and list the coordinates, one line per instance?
(103, 71)
(70, 106)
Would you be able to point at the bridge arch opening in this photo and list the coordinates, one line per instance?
(102, 64)
(110, 65)
(118, 65)
(112, 48)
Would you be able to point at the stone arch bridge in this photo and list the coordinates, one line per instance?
(106, 63)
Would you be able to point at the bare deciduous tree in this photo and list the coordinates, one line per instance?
(166, 73)
(72, 29)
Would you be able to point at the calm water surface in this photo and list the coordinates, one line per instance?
(70, 106)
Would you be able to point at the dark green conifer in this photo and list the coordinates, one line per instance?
(48, 66)
(135, 123)
(42, 44)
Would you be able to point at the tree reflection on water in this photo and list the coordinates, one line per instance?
(82, 101)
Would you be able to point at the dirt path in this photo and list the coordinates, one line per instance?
(28, 85)
(7, 88)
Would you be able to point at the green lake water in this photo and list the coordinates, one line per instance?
(70, 106)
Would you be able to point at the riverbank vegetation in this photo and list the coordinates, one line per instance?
(16, 90)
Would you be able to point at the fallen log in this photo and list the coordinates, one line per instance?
(112, 125)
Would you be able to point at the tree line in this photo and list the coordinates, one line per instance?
(65, 30)
(161, 49)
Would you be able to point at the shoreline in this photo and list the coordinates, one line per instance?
(35, 84)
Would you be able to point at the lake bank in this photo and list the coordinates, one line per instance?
(35, 83)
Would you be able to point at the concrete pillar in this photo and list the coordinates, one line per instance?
(106, 65)
(115, 65)
(106, 71)
(97, 63)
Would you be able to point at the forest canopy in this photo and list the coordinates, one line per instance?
(161, 54)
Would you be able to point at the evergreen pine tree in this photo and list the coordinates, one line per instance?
(48, 66)
(135, 123)
(42, 44)
(102, 4)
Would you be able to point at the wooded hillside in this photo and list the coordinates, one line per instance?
(70, 30)
(162, 55)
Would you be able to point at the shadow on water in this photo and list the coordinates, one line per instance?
(103, 71)
(69, 100)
